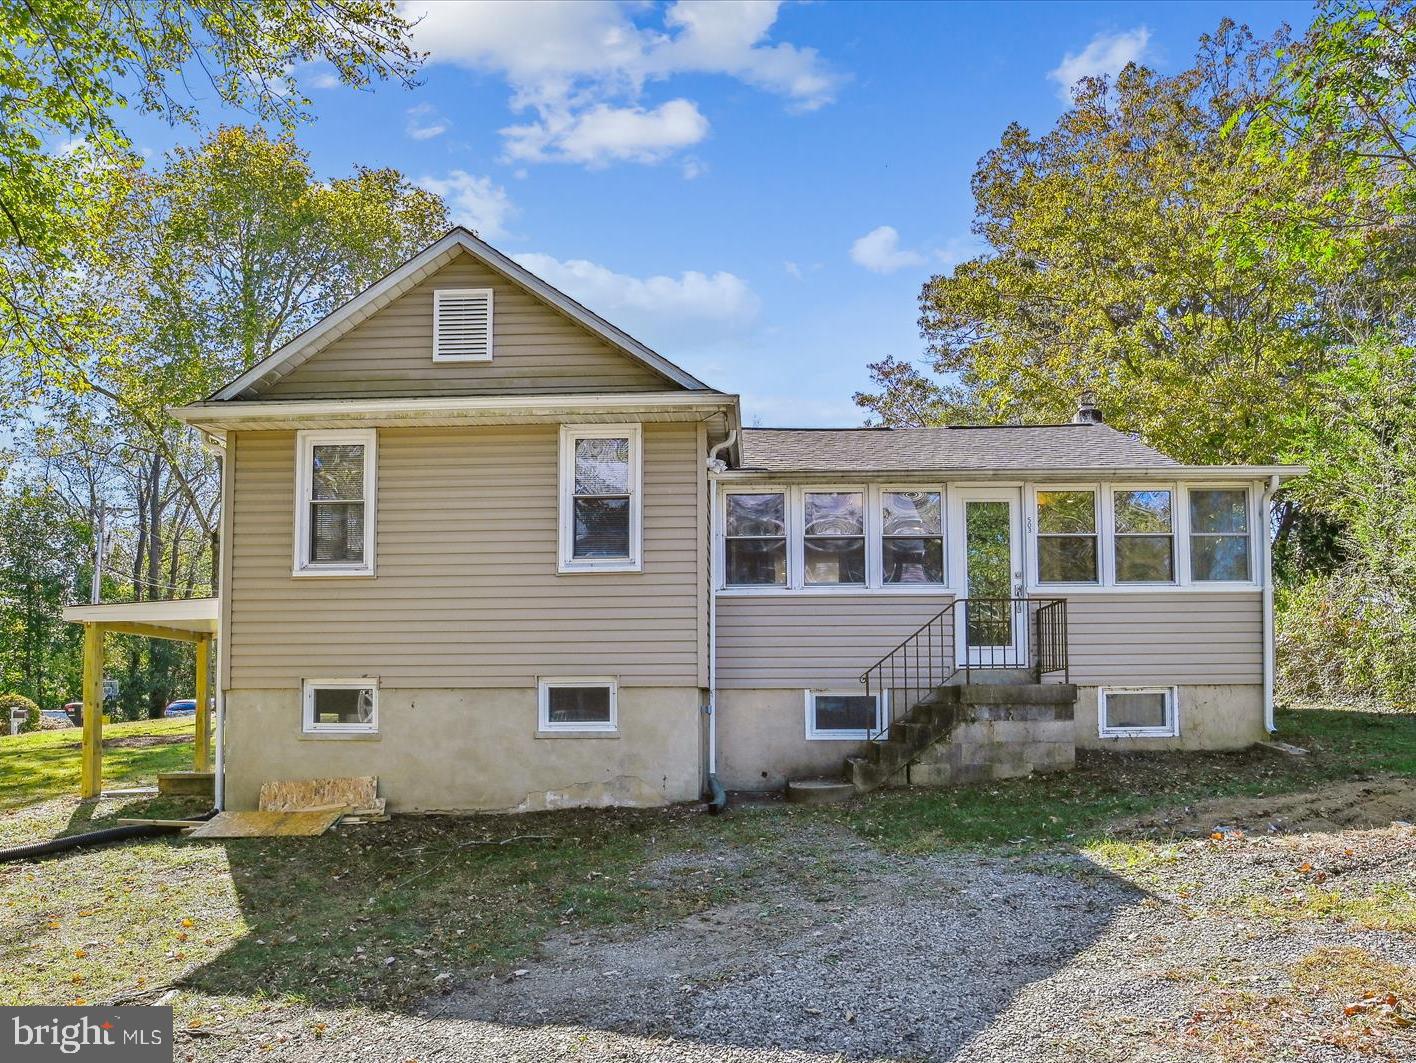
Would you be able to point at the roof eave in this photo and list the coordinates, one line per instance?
(1081, 472)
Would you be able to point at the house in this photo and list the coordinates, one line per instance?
(481, 543)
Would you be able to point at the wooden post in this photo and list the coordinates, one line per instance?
(91, 782)
(203, 695)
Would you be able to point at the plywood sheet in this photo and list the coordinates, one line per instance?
(355, 791)
(266, 824)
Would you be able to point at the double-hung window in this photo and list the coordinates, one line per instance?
(1219, 535)
(600, 504)
(1066, 536)
(755, 539)
(334, 504)
(911, 537)
(833, 537)
(1144, 540)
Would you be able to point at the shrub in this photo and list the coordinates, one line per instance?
(9, 702)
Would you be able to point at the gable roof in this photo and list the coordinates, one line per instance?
(1004, 447)
(418, 268)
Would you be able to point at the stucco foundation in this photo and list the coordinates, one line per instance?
(762, 741)
(473, 749)
(1220, 716)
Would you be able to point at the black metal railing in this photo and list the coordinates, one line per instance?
(1013, 634)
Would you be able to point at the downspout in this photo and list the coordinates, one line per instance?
(718, 798)
(1269, 492)
(217, 448)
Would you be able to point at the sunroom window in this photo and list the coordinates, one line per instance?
(1145, 539)
(912, 537)
(1066, 536)
(755, 539)
(1219, 535)
(833, 537)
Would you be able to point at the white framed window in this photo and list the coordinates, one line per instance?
(755, 538)
(600, 506)
(577, 703)
(843, 715)
(1137, 712)
(911, 537)
(341, 706)
(1066, 532)
(335, 502)
(1143, 534)
(462, 325)
(833, 537)
(1220, 543)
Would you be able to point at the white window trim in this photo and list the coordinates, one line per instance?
(546, 684)
(721, 540)
(307, 711)
(796, 544)
(1100, 520)
(1172, 702)
(882, 703)
(1109, 518)
(567, 562)
(437, 323)
(1256, 577)
(877, 509)
(305, 442)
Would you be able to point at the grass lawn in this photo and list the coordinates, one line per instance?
(378, 915)
(45, 764)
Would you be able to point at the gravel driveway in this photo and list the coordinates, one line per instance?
(852, 955)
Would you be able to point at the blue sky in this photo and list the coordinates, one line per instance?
(756, 191)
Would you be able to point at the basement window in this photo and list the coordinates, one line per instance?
(1137, 712)
(577, 704)
(341, 706)
(842, 716)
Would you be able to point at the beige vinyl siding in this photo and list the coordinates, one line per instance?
(1166, 637)
(466, 591)
(535, 350)
(813, 640)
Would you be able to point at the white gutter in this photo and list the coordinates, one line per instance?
(967, 474)
(1267, 552)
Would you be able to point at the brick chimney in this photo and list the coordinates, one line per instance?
(1087, 411)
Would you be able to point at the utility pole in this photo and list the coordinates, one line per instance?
(96, 589)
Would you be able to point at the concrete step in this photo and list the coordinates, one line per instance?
(819, 791)
(1017, 694)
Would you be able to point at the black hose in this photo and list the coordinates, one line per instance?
(94, 837)
(718, 797)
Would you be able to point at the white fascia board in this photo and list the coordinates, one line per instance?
(1080, 472)
(373, 298)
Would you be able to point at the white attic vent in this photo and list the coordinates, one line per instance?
(462, 325)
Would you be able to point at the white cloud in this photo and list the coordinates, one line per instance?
(693, 308)
(793, 270)
(879, 251)
(1106, 55)
(605, 134)
(473, 201)
(572, 62)
(693, 168)
(424, 122)
(326, 80)
(959, 249)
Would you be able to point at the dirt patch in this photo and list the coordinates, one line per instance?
(145, 741)
(1361, 805)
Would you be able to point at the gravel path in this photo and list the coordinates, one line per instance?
(865, 957)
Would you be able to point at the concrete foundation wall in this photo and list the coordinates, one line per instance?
(762, 741)
(473, 749)
(1217, 716)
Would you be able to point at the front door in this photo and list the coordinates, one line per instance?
(990, 630)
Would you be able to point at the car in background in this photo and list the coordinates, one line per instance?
(75, 711)
(181, 707)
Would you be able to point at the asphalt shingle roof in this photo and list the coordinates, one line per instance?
(1062, 446)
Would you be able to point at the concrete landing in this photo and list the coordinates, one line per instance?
(819, 791)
